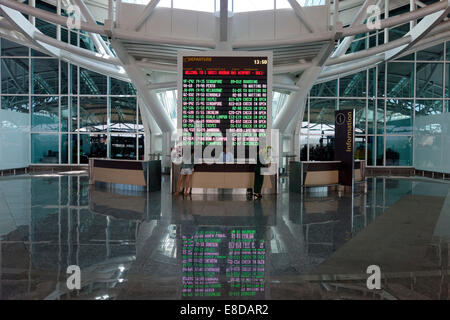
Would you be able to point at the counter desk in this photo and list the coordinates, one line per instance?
(210, 178)
(126, 174)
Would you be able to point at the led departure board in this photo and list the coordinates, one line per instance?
(223, 263)
(224, 92)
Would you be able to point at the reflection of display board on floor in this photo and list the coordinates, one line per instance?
(223, 262)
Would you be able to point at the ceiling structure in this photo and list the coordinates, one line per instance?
(138, 40)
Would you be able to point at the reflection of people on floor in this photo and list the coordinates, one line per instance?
(185, 178)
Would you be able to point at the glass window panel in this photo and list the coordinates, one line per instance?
(141, 146)
(357, 44)
(321, 119)
(46, 28)
(427, 107)
(64, 148)
(197, 5)
(360, 148)
(73, 114)
(64, 78)
(44, 148)
(380, 116)
(16, 103)
(119, 87)
(92, 146)
(448, 50)
(372, 82)
(14, 75)
(73, 157)
(65, 116)
(447, 80)
(353, 85)
(400, 79)
(371, 117)
(398, 151)
(380, 37)
(303, 147)
(162, 3)
(370, 150)
(435, 53)
(123, 146)
(381, 74)
(86, 43)
(282, 4)
(10, 48)
(429, 80)
(74, 38)
(36, 53)
(252, 5)
(92, 82)
(123, 114)
(447, 103)
(399, 115)
(45, 76)
(360, 112)
(93, 114)
(64, 35)
(325, 89)
(398, 32)
(321, 147)
(380, 151)
(45, 114)
(408, 57)
(73, 79)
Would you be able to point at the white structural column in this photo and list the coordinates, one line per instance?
(149, 97)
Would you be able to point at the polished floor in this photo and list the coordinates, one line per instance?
(290, 246)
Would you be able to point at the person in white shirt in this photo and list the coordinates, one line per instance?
(227, 156)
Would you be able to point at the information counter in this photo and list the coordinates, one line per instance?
(319, 174)
(209, 178)
(126, 174)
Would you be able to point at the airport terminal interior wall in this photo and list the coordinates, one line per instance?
(387, 100)
(68, 110)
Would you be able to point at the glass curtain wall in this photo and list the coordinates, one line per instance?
(74, 113)
(386, 100)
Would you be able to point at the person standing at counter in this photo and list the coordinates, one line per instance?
(227, 156)
(259, 178)
(187, 168)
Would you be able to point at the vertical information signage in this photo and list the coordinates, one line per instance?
(224, 91)
(344, 144)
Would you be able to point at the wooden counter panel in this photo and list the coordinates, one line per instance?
(120, 176)
(207, 179)
(320, 178)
